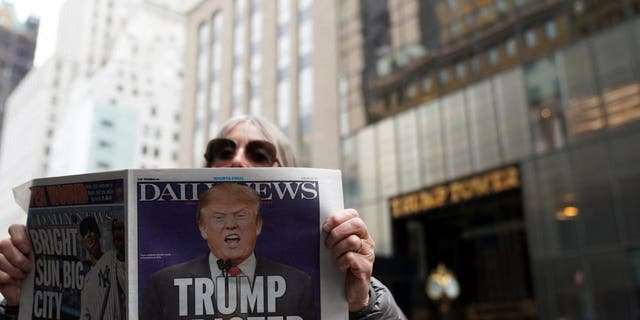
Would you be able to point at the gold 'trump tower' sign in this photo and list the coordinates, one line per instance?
(474, 187)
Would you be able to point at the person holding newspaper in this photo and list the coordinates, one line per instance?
(253, 142)
(230, 222)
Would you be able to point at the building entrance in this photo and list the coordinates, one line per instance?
(483, 244)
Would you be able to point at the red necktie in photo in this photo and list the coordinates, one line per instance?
(234, 271)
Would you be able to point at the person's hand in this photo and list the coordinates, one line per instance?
(14, 263)
(353, 249)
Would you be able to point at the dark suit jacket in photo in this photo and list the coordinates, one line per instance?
(160, 297)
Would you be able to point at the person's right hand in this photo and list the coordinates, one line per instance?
(14, 263)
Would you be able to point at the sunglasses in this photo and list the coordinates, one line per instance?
(260, 153)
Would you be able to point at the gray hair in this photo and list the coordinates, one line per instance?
(284, 151)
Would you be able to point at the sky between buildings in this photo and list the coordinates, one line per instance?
(48, 12)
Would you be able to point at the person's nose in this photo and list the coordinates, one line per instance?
(230, 222)
(239, 160)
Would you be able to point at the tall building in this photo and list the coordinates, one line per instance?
(359, 52)
(88, 30)
(500, 143)
(275, 59)
(74, 116)
(31, 121)
(35, 109)
(18, 40)
(127, 114)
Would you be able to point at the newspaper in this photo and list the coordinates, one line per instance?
(184, 244)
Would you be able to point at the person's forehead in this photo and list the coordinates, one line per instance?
(227, 209)
(245, 131)
(226, 204)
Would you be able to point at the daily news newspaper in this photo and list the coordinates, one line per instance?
(130, 245)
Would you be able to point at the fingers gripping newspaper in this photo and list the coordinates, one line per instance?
(184, 244)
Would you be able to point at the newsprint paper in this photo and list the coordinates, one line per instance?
(183, 244)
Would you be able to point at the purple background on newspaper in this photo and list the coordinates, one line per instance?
(290, 235)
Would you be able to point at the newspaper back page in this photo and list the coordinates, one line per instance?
(76, 225)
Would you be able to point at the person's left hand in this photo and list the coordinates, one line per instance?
(353, 249)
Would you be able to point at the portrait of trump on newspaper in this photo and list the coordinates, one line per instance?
(230, 281)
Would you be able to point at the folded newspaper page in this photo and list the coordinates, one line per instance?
(184, 244)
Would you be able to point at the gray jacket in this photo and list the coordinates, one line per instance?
(381, 306)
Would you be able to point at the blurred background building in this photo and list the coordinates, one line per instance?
(500, 139)
(109, 98)
(497, 138)
(18, 43)
(276, 59)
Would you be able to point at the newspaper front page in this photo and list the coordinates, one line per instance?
(195, 244)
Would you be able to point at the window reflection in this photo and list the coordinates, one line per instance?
(543, 95)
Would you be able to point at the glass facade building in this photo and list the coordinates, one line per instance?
(543, 95)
